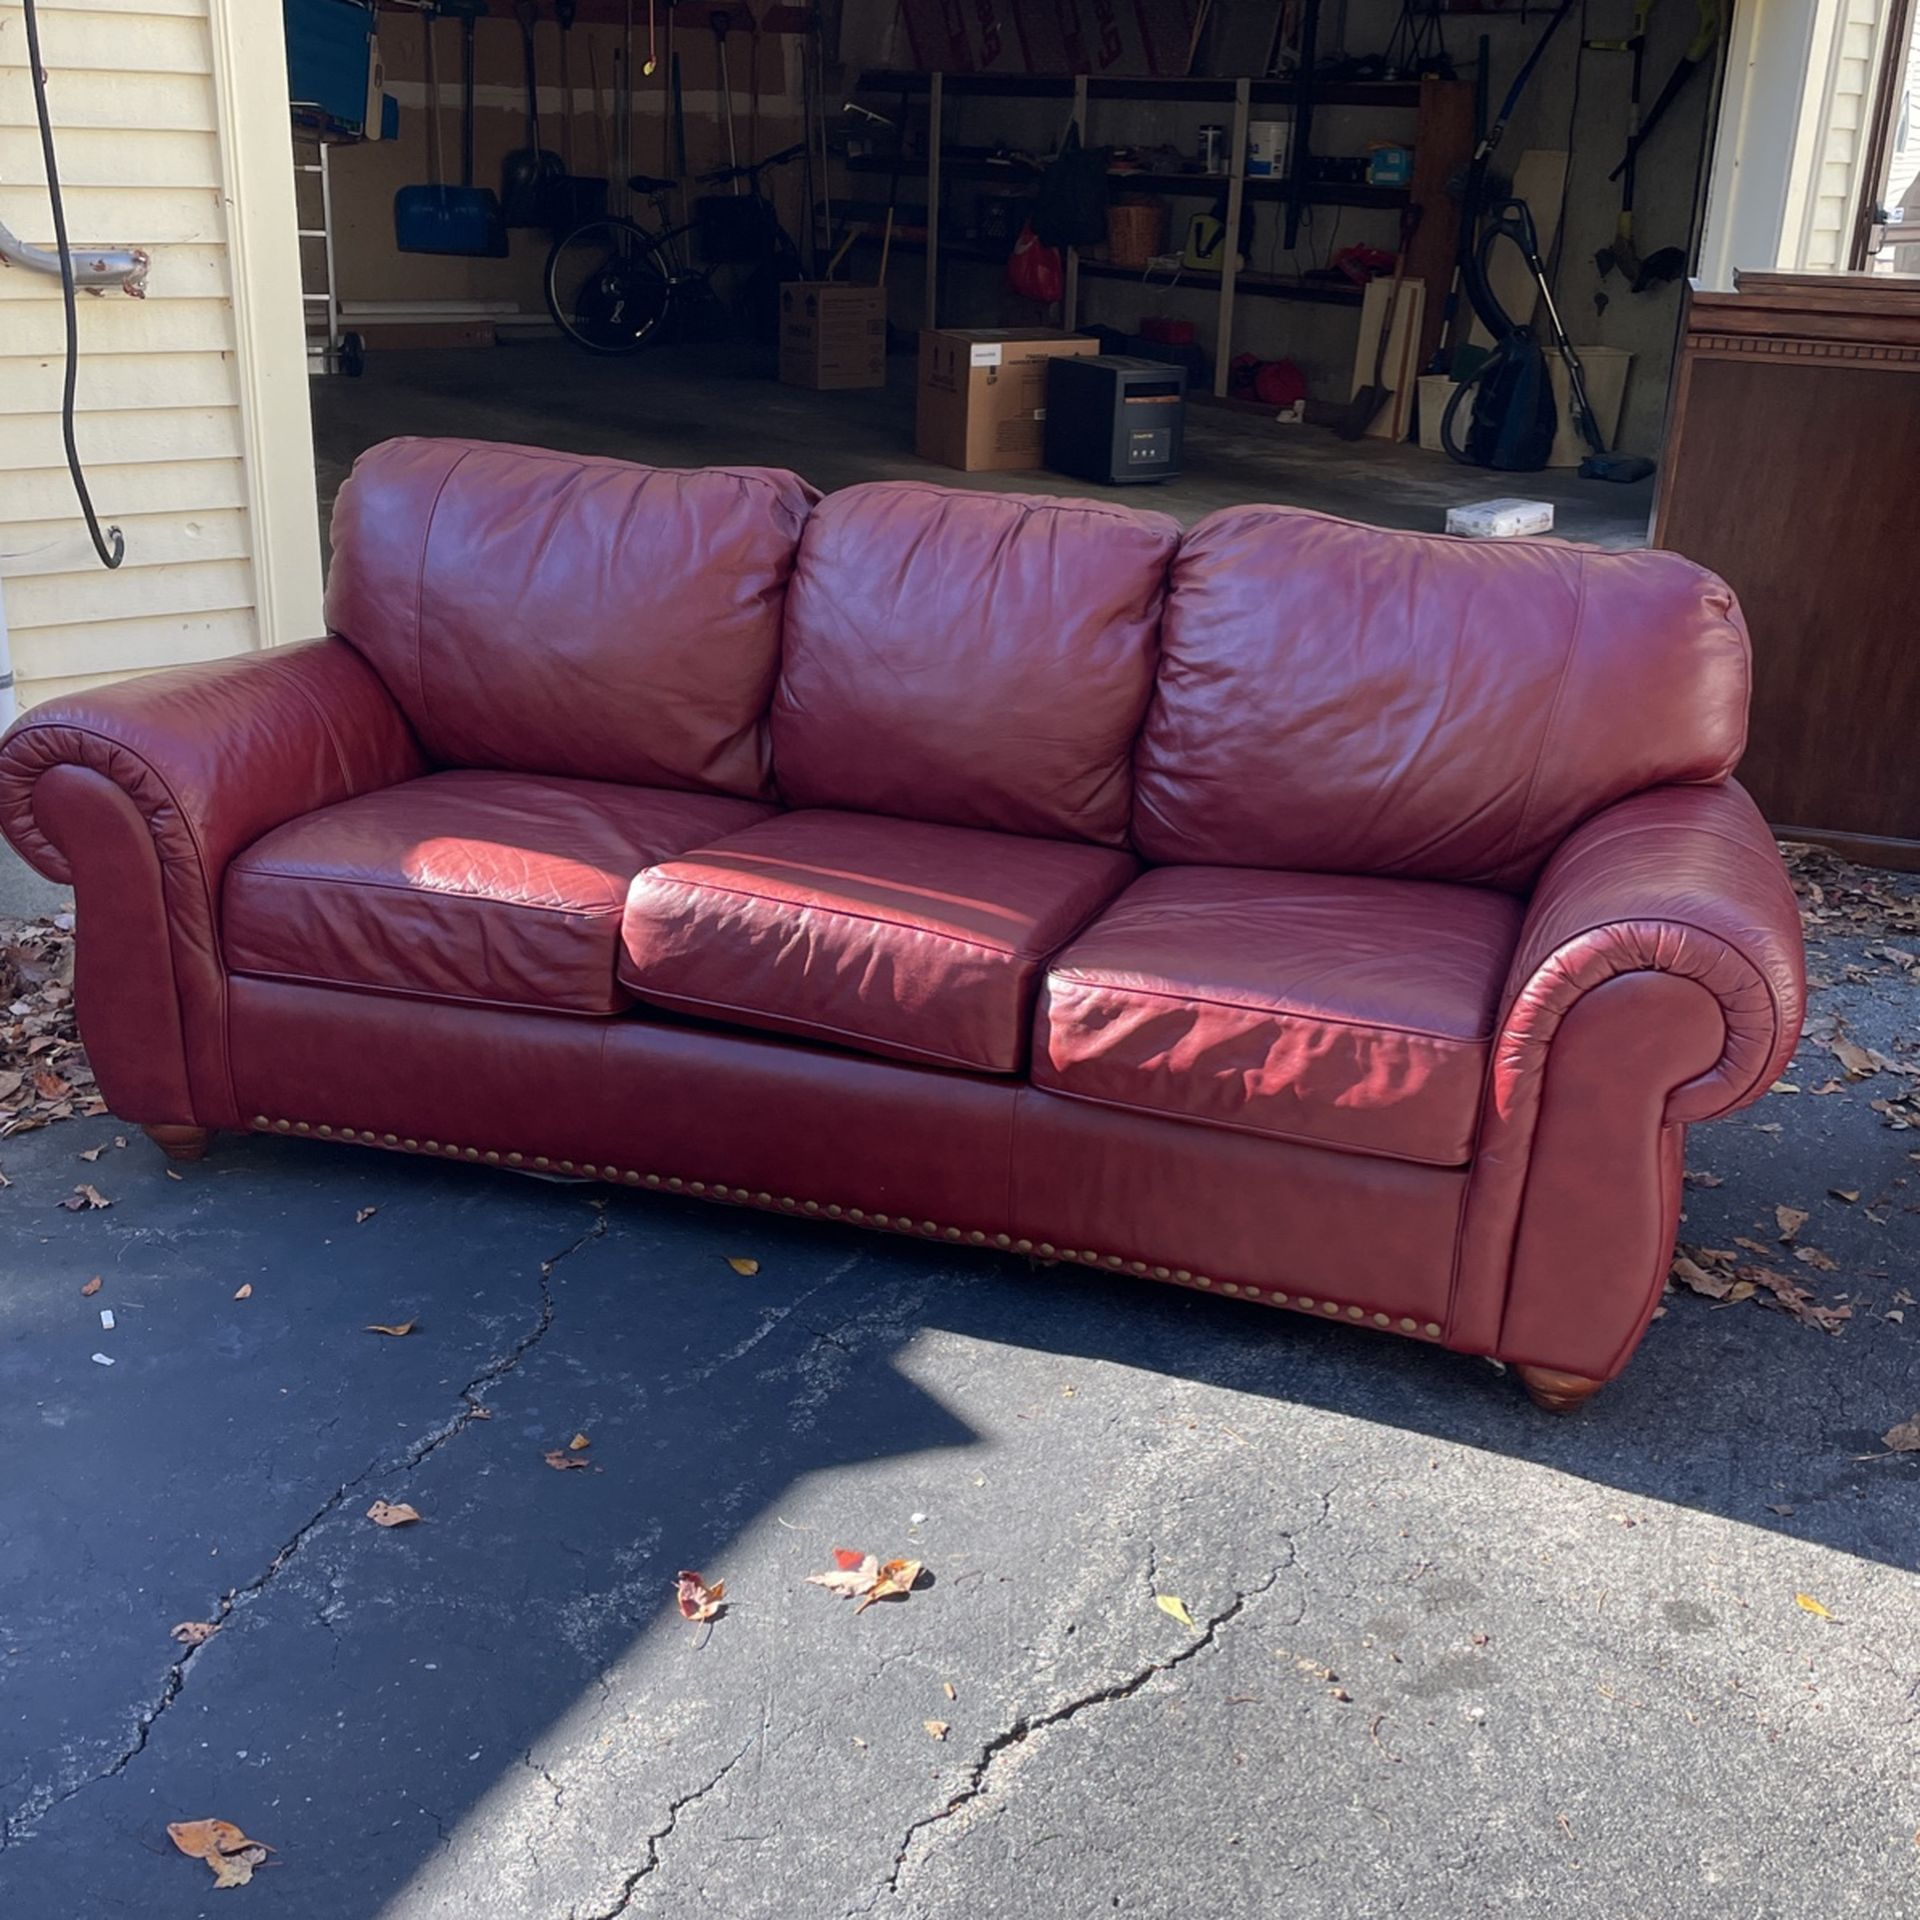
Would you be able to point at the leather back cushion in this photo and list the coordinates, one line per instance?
(1336, 698)
(971, 659)
(552, 613)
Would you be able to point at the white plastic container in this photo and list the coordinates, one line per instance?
(1269, 146)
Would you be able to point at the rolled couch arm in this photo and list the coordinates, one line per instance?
(1659, 979)
(139, 794)
(1683, 881)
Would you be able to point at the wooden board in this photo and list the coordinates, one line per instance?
(1402, 364)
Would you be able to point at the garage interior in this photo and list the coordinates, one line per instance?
(924, 136)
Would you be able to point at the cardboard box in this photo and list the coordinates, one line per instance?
(982, 403)
(833, 334)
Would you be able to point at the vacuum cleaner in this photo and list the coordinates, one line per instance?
(1514, 417)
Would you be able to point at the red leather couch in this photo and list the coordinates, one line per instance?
(1339, 920)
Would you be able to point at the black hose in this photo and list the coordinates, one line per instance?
(112, 546)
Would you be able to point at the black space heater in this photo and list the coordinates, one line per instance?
(1114, 419)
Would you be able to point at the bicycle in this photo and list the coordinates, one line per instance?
(613, 284)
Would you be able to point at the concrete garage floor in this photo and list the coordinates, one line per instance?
(1449, 1656)
(708, 406)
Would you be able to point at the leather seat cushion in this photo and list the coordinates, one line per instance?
(504, 888)
(1353, 1013)
(894, 937)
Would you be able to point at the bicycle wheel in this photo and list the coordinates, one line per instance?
(606, 285)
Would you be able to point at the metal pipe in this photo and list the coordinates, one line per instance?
(97, 269)
(9, 699)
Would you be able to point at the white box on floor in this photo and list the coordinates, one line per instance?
(1501, 519)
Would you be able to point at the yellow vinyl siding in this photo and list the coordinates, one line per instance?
(163, 417)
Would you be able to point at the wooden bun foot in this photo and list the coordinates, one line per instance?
(181, 1143)
(1557, 1392)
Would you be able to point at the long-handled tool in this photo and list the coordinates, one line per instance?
(1361, 409)
(437, 218)
(1619, 255)
(584, 194)
(530, 176)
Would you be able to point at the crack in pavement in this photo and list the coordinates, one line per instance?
(661, 1835)
(21, 1822)
(978, 1778)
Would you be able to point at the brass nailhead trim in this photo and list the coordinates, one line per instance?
(974, 1236)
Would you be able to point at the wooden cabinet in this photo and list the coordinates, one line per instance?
(1793, 470)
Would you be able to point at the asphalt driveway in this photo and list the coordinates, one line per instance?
(1442, 1654)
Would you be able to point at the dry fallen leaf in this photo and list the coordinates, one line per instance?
(1811, 1605)
(578, 1441)
(397, 1331)
(1905, 1438)
(697, 1600)
(562, 1461)
(365, 1214)
(193, 1633)
(744, 1266)
(90, 1154)
(1848, 1194)
(897, 1579)
(1173, 1604)
(937, 1728)
(92, 1287)
(85, 1198)
(244, 1291)
(1790, 1219)
(1813, 1257)
(396, 1514)
(222, 1845)
(862, 1577)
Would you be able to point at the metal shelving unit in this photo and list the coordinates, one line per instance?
(1442, 142)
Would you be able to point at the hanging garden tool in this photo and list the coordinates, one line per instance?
(532, 179)
(584, 194)
(1618, 255)
(436, 218)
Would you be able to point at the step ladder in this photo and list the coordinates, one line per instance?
(331, 348)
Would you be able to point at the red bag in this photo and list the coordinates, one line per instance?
(1035, 270)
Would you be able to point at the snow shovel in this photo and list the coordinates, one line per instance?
(532, 180)
(437, 218)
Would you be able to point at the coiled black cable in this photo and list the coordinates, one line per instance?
(110, 546)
